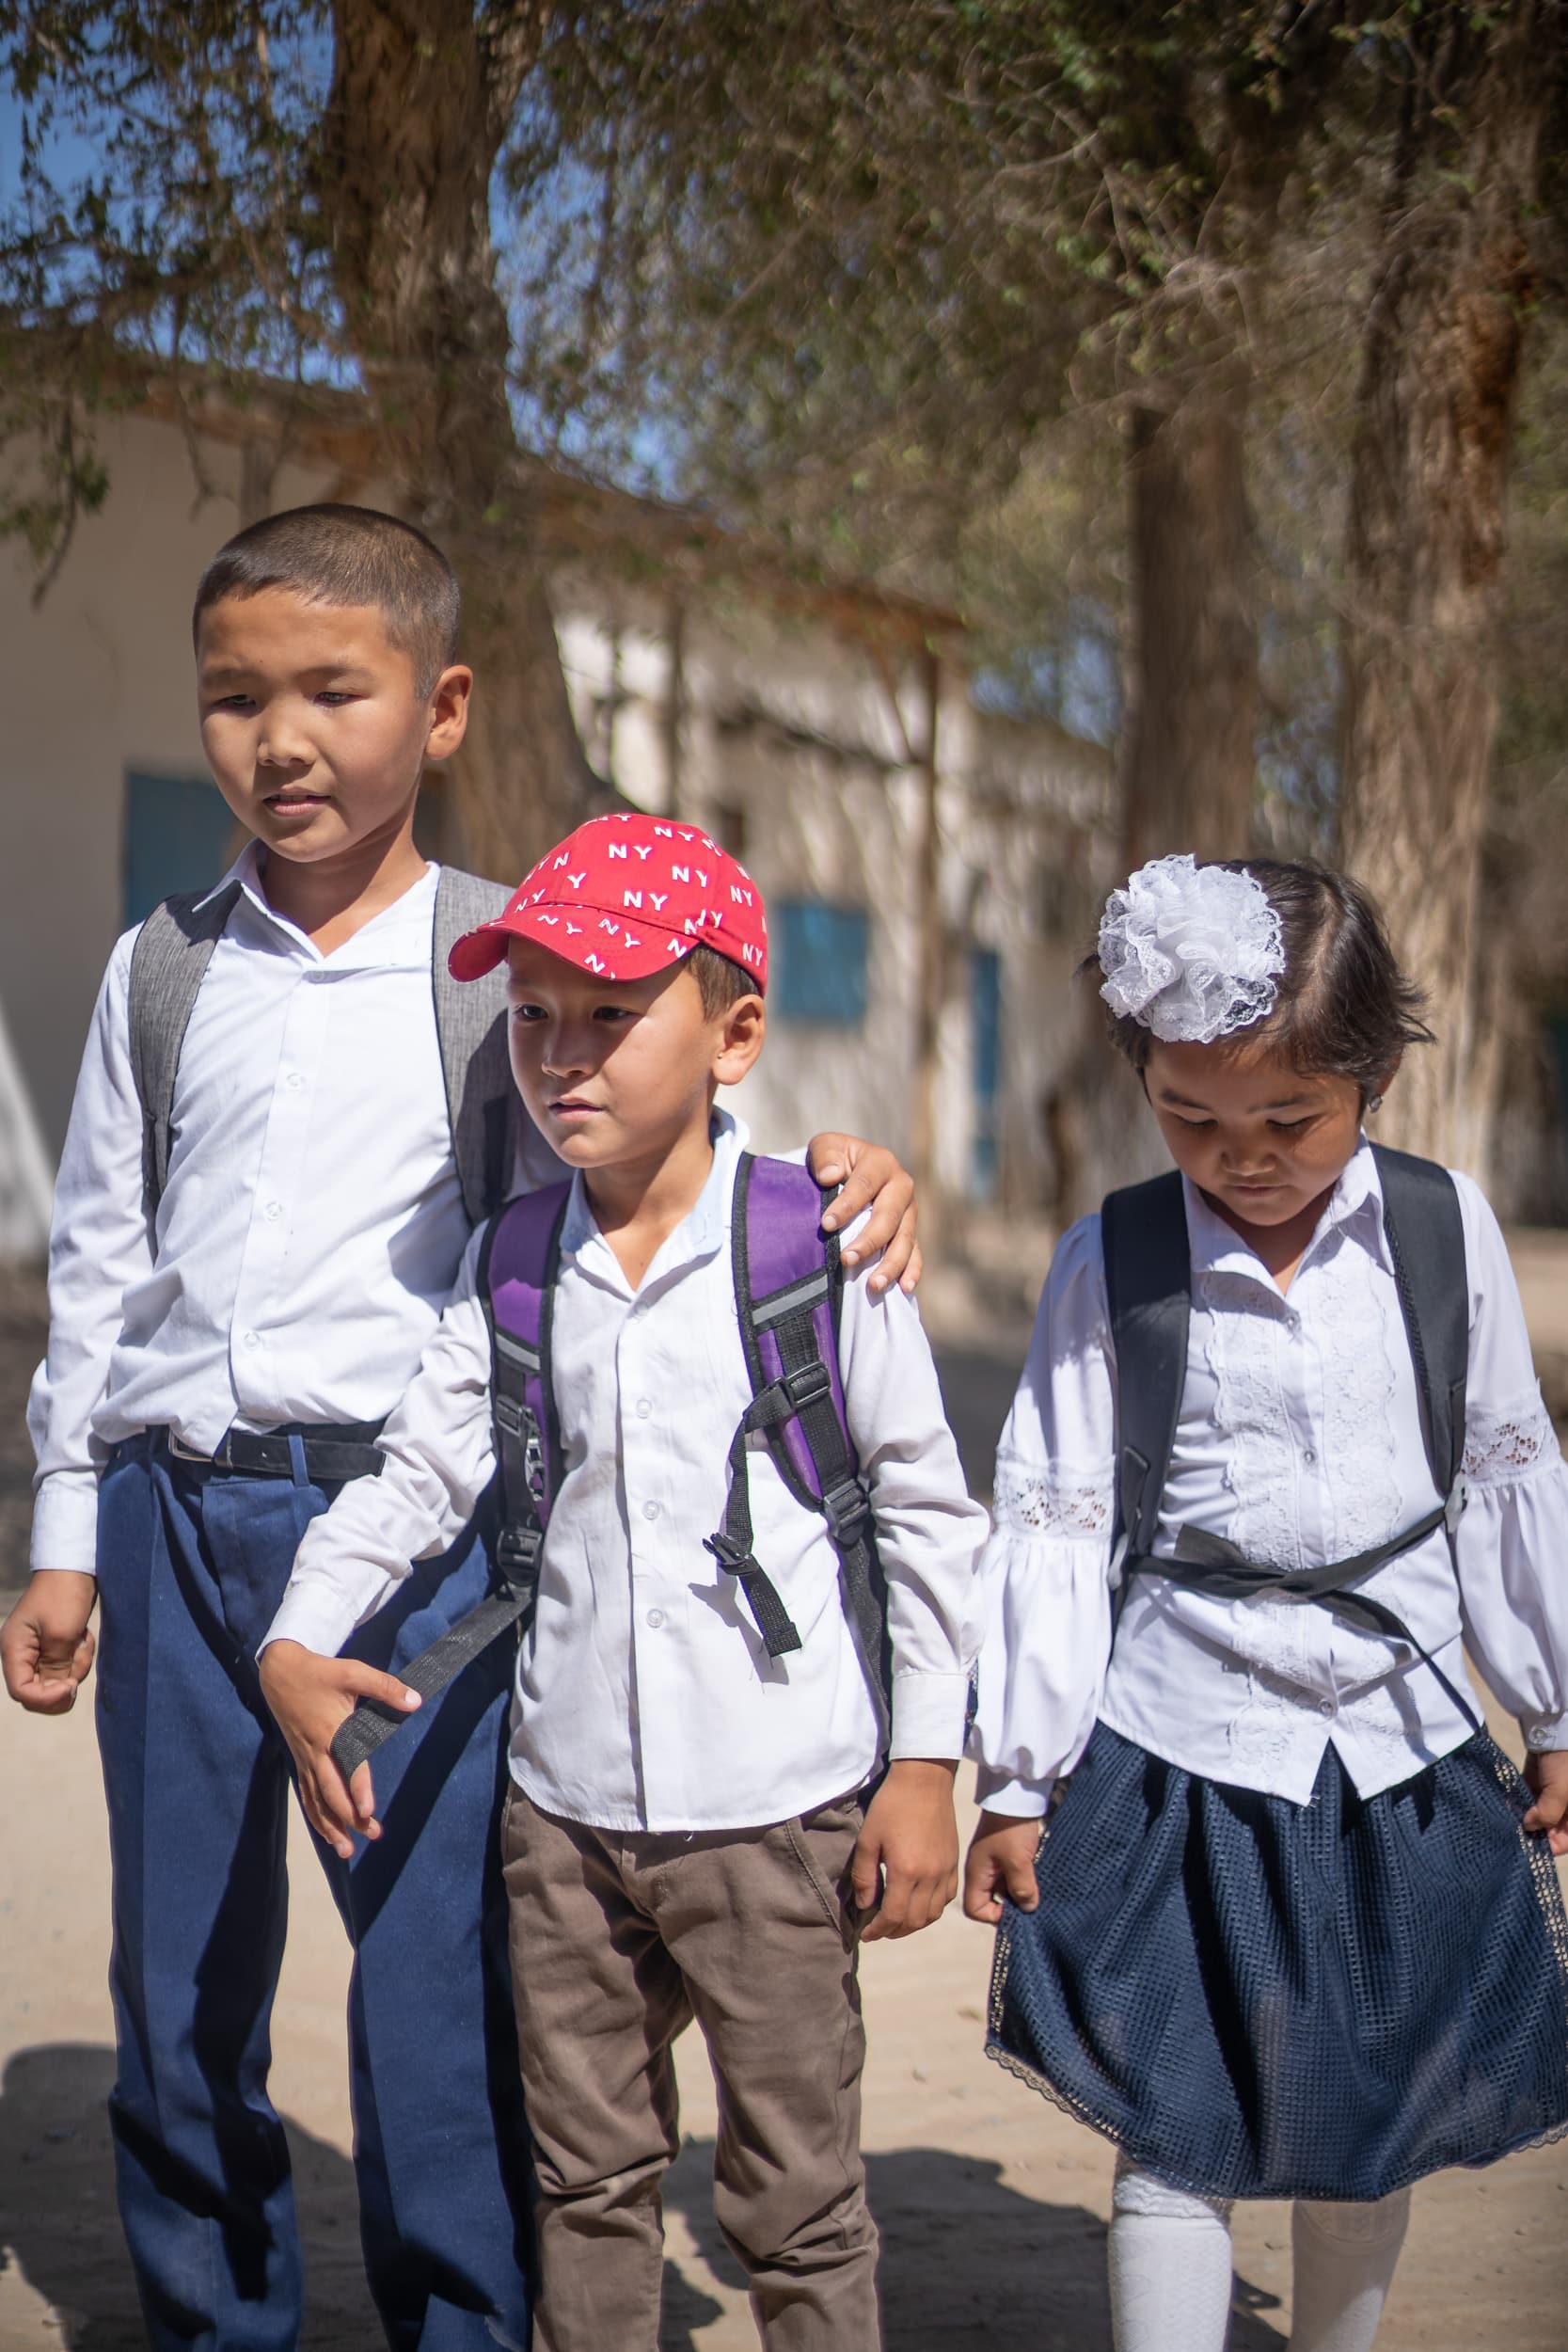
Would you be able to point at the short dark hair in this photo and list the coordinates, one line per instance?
(722, 982)
(333, 554)
(1343, 1007)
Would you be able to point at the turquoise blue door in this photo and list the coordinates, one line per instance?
(985, 1062)
(179, 836)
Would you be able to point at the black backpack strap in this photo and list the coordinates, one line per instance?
(788, 1292)
(527, 1454)
(168, 963)
(1149, 1290)
(470, 1023)
(1426, 1242)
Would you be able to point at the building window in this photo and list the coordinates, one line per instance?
(985, 1066)
(180, 835)
(820, 955)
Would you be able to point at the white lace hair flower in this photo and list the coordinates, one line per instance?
(1192, 951)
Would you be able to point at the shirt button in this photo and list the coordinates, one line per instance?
(644, 1406)
(1308, 1456)
(656, 1618)
(253, 1338)
(1327, 1707)
(295, 1081)
(275, 1210)
(650, 1510)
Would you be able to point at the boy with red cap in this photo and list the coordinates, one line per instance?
(687, 1832)
(280, 1142)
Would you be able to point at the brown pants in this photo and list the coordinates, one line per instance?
(618, 1941)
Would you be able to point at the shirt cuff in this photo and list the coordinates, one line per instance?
(65, 1522)
(318, 1616)
(929, 1711)
(995, 1792)
(1540, 1732)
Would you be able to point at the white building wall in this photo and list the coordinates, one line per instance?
(787, 727)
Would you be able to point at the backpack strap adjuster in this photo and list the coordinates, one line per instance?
(773, 1620)
(517, 1549)
(848, 1509)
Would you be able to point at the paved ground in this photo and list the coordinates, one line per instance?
(992, 2205)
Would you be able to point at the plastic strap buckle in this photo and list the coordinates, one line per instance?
(511, 1414)
(848, 1509)
(731, 1554)
(806, 1383)
(517, 1551)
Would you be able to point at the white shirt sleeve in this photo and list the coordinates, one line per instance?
(1513, 1541)
(1046, 1568)
(439, 1457)
(928, 1529)
(99, 1243)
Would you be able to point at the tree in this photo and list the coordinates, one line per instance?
(893, 243)
(1444, 345)
(306, 193)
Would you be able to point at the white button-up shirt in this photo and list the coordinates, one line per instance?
(311, 1225)
(1300, 1441)
(645, 1699)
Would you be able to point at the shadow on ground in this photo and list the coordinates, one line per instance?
(966, 2261)
(59, 2228)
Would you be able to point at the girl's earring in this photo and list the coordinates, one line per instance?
(1374, 1104)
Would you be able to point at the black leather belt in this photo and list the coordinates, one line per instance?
(333, 1451)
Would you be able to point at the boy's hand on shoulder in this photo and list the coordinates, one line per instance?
(312, 1697)
(873, 1179)
(908, 1849)
(46, 1647)
(1001, 1861)
(1546, 1778)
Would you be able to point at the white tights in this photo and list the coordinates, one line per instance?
(1170, 2268)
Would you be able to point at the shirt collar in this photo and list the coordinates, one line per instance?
(703, 1229)
(1355, 1208)
(416, 902)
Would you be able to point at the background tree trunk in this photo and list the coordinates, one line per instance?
(422, 93)
(1426, 538)
(1189, 757)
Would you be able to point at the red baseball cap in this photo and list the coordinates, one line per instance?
(626, 895)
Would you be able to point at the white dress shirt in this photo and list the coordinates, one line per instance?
(1300, 1441)
(311, 1225)
(645, 1699)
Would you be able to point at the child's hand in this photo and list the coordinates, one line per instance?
(1002, 1862)
(908, 1849)
(45, 1646)
(1546, 1777)
(873, 1178)
(310, 1697)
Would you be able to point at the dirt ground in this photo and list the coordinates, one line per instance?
(992, 2205)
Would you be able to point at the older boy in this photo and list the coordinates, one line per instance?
(237, 1295)
(685, 1834)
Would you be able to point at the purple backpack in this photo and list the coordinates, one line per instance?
(788, 1285)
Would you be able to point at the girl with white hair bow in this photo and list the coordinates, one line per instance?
(1294, 1931)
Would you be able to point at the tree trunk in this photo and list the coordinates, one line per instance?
(422, 92)
(1426, 540)
(1190, 744)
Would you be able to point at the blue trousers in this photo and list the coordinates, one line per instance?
(191, 1565)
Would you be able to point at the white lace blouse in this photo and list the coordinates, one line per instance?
(1299, 1440)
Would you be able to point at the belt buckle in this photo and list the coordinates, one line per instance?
(182, 1452)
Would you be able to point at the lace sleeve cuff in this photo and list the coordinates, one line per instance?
(1501, 1447)
(1036, 1498)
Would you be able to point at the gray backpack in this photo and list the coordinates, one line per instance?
(170, 962)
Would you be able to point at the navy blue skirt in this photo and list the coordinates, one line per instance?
(1258, 1998)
